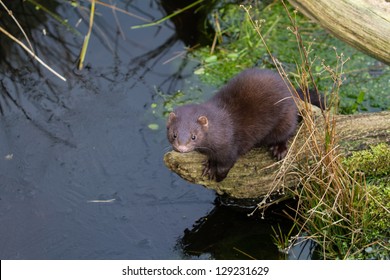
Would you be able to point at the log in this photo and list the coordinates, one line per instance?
(254, 174)
(363, 24)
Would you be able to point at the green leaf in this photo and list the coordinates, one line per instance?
(153, 126)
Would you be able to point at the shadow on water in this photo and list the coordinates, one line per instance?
(81, 174)
(233, 233)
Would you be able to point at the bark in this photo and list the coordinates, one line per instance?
(256, 173)
(364, 24)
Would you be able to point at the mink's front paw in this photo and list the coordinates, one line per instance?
(208, 169)
(211, 170)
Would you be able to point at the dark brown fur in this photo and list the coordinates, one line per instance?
(254, 108)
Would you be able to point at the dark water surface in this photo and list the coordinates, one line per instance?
(81, 174)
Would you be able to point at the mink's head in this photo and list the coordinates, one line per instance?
(187, 128)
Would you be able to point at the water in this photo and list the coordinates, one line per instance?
(81, 174)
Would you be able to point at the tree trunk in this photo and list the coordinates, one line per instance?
(254, 174)
(364, 24)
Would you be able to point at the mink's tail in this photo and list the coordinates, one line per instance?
(313, 97)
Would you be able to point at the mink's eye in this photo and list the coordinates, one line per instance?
(174, 135)
(193, 137)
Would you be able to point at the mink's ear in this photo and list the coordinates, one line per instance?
(171, 118)
(203, 121)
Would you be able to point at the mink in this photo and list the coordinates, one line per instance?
(255, 108)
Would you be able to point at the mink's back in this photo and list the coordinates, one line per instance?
(260, 106)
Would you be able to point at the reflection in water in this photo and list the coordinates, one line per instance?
(192, 26)
(229, 233)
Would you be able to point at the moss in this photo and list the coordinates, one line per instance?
(373, 165)
(381, 195)
(377, 230)
(373, 162)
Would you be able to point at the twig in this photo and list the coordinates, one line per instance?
(115, 8)
(31, 53)
(17, 23)
(168, 16)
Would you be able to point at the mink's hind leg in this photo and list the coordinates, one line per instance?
(279, 150)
